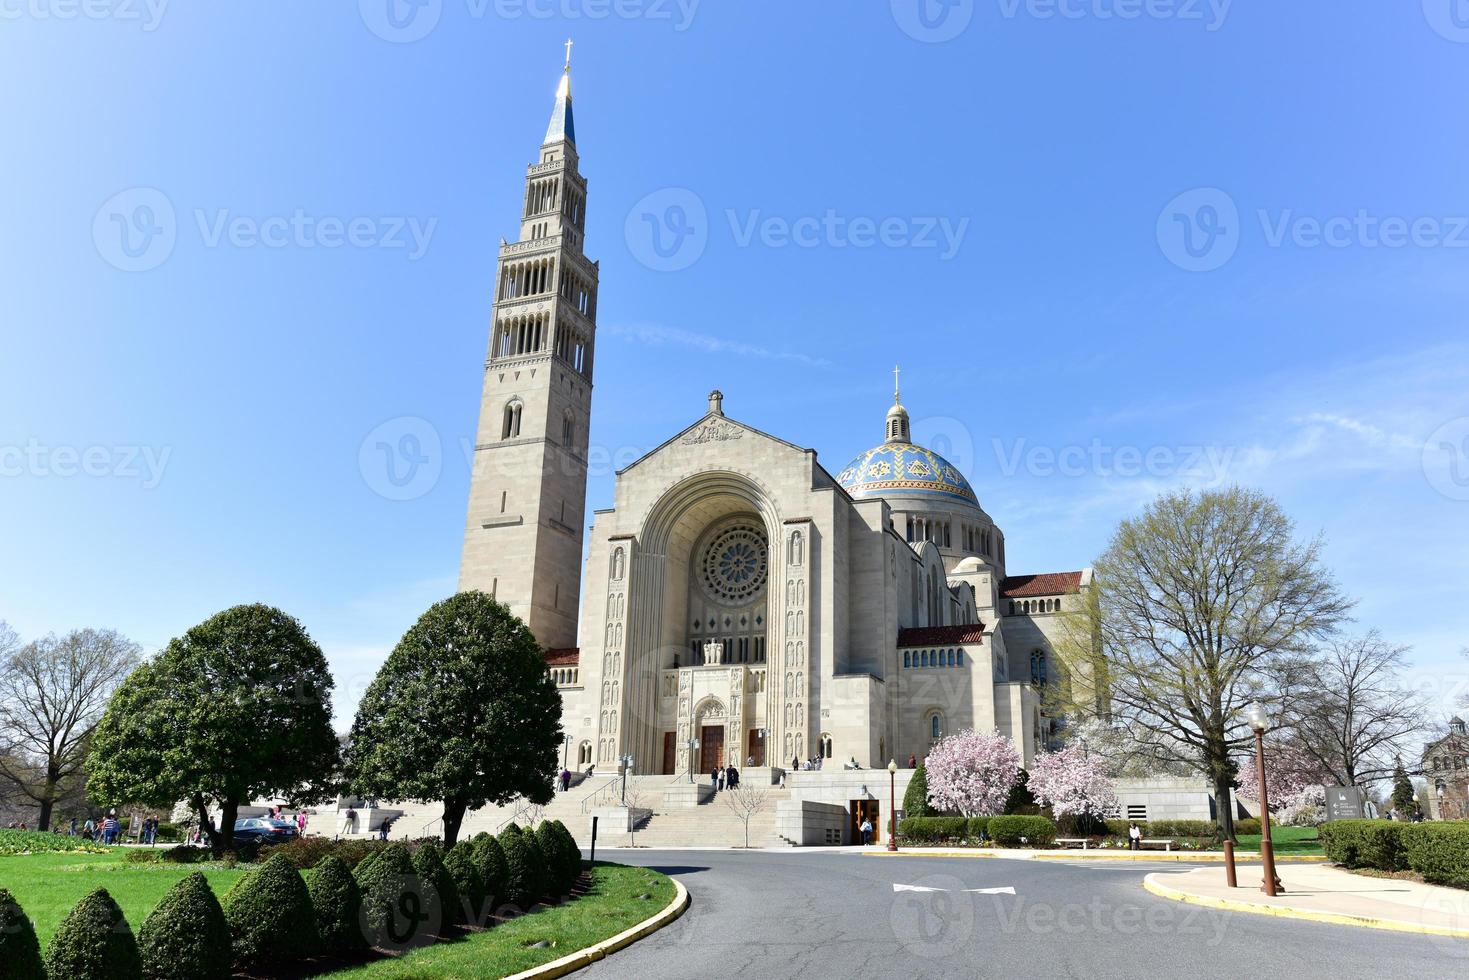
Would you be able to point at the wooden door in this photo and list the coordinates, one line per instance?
(670, 756)
(711, 748)
(757, 747)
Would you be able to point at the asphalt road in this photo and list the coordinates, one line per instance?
(813, 914)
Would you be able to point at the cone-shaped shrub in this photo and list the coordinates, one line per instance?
(523, 865)
(396, 914)
(185, 937)
(468, 882)
(363, 866)
(571, 850)
(338, 904)
(94, 942)
(490, 858)
(440, 897)
(557, 883)
(270, 915)
(20, 953)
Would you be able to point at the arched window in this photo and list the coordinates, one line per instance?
(797, 548)
(936, 726)
(825, 746)
(568, 428)
(960, 658)
(511, 427)
(1038, 668)
(584, 754)
(907, 659)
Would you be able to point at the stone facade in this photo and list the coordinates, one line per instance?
(742, 604)
(1446, 767)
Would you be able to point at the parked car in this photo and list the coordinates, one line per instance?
(263, 830)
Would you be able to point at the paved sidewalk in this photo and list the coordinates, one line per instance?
(1324, 893)
(1090, 854)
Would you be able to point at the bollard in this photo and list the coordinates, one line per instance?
(1229, 863)
(594, 841)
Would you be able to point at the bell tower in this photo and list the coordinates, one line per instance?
(527, 497)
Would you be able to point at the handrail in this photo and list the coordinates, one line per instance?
(425, 827)
(595, 799)
(526, 808)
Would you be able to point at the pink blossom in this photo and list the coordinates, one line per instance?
(972, 772)
(1071, 783)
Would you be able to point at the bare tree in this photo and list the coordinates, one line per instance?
(1207, 603)
(1354, 717)
(52, 694)
(632, 799)
(746, 801)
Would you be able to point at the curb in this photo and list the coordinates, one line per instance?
(586, 957)
(1284, 912)
(1188, 857)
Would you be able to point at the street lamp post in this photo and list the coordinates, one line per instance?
(1438, 790)
(1259, 722)
(892, 805)
(693, 744)
(626, 771)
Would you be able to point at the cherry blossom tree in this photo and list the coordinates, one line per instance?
(971, 772)
(1295, 781)
(1072, 783)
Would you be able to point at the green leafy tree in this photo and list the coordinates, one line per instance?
(270, 915)
(94, 942)
(236, 709)
(337, 901)
(463, 711)
(186, 937)
(1404, 800)
(1207, 603)
(19, 951)
(915, 798)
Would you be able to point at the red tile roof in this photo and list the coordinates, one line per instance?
(563, 658)
(924, 636)
(1047, 583)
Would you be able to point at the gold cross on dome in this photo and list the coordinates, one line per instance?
(896, 387)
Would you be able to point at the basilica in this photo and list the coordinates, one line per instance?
(740, 603)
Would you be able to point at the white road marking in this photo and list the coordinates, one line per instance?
(1007, 890)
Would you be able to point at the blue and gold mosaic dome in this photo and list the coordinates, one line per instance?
(902, 468)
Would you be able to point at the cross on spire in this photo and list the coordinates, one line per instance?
(569, 43)
(897, 389)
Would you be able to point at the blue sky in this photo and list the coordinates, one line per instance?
(1116, 247)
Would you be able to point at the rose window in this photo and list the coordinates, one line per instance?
(735, 564)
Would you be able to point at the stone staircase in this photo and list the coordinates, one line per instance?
(711, 824)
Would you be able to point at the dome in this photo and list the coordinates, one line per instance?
(903, 469)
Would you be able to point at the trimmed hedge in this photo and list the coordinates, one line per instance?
(1366, 844)
(489, 856)
(337, 902)
(522, 868)
(19, 950)
(559, 878)
(307, 852)
(572, 857)
(270, 915)
(440, 898)
(1181, 828)
(933, 830)
(468, 883)
(1249, 826)
(1439, 852)
(94, 942)
(186, 936)
(1013, 830)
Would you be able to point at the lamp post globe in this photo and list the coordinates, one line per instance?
(1257, 719)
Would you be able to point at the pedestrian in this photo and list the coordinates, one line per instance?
(565, 779)
(795, 762)
(912, 761)
(719, 779)
(866, 831)
(1134, 836)
(301, 822)
(72, 832)
(714, 779)
(89, 829)
(349, 822)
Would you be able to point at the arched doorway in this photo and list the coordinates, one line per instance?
(709, 728)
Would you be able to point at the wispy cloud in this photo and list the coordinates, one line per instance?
(660, 336)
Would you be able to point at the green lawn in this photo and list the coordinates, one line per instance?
(612, 906)
(1286, 840)
(48, 885)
